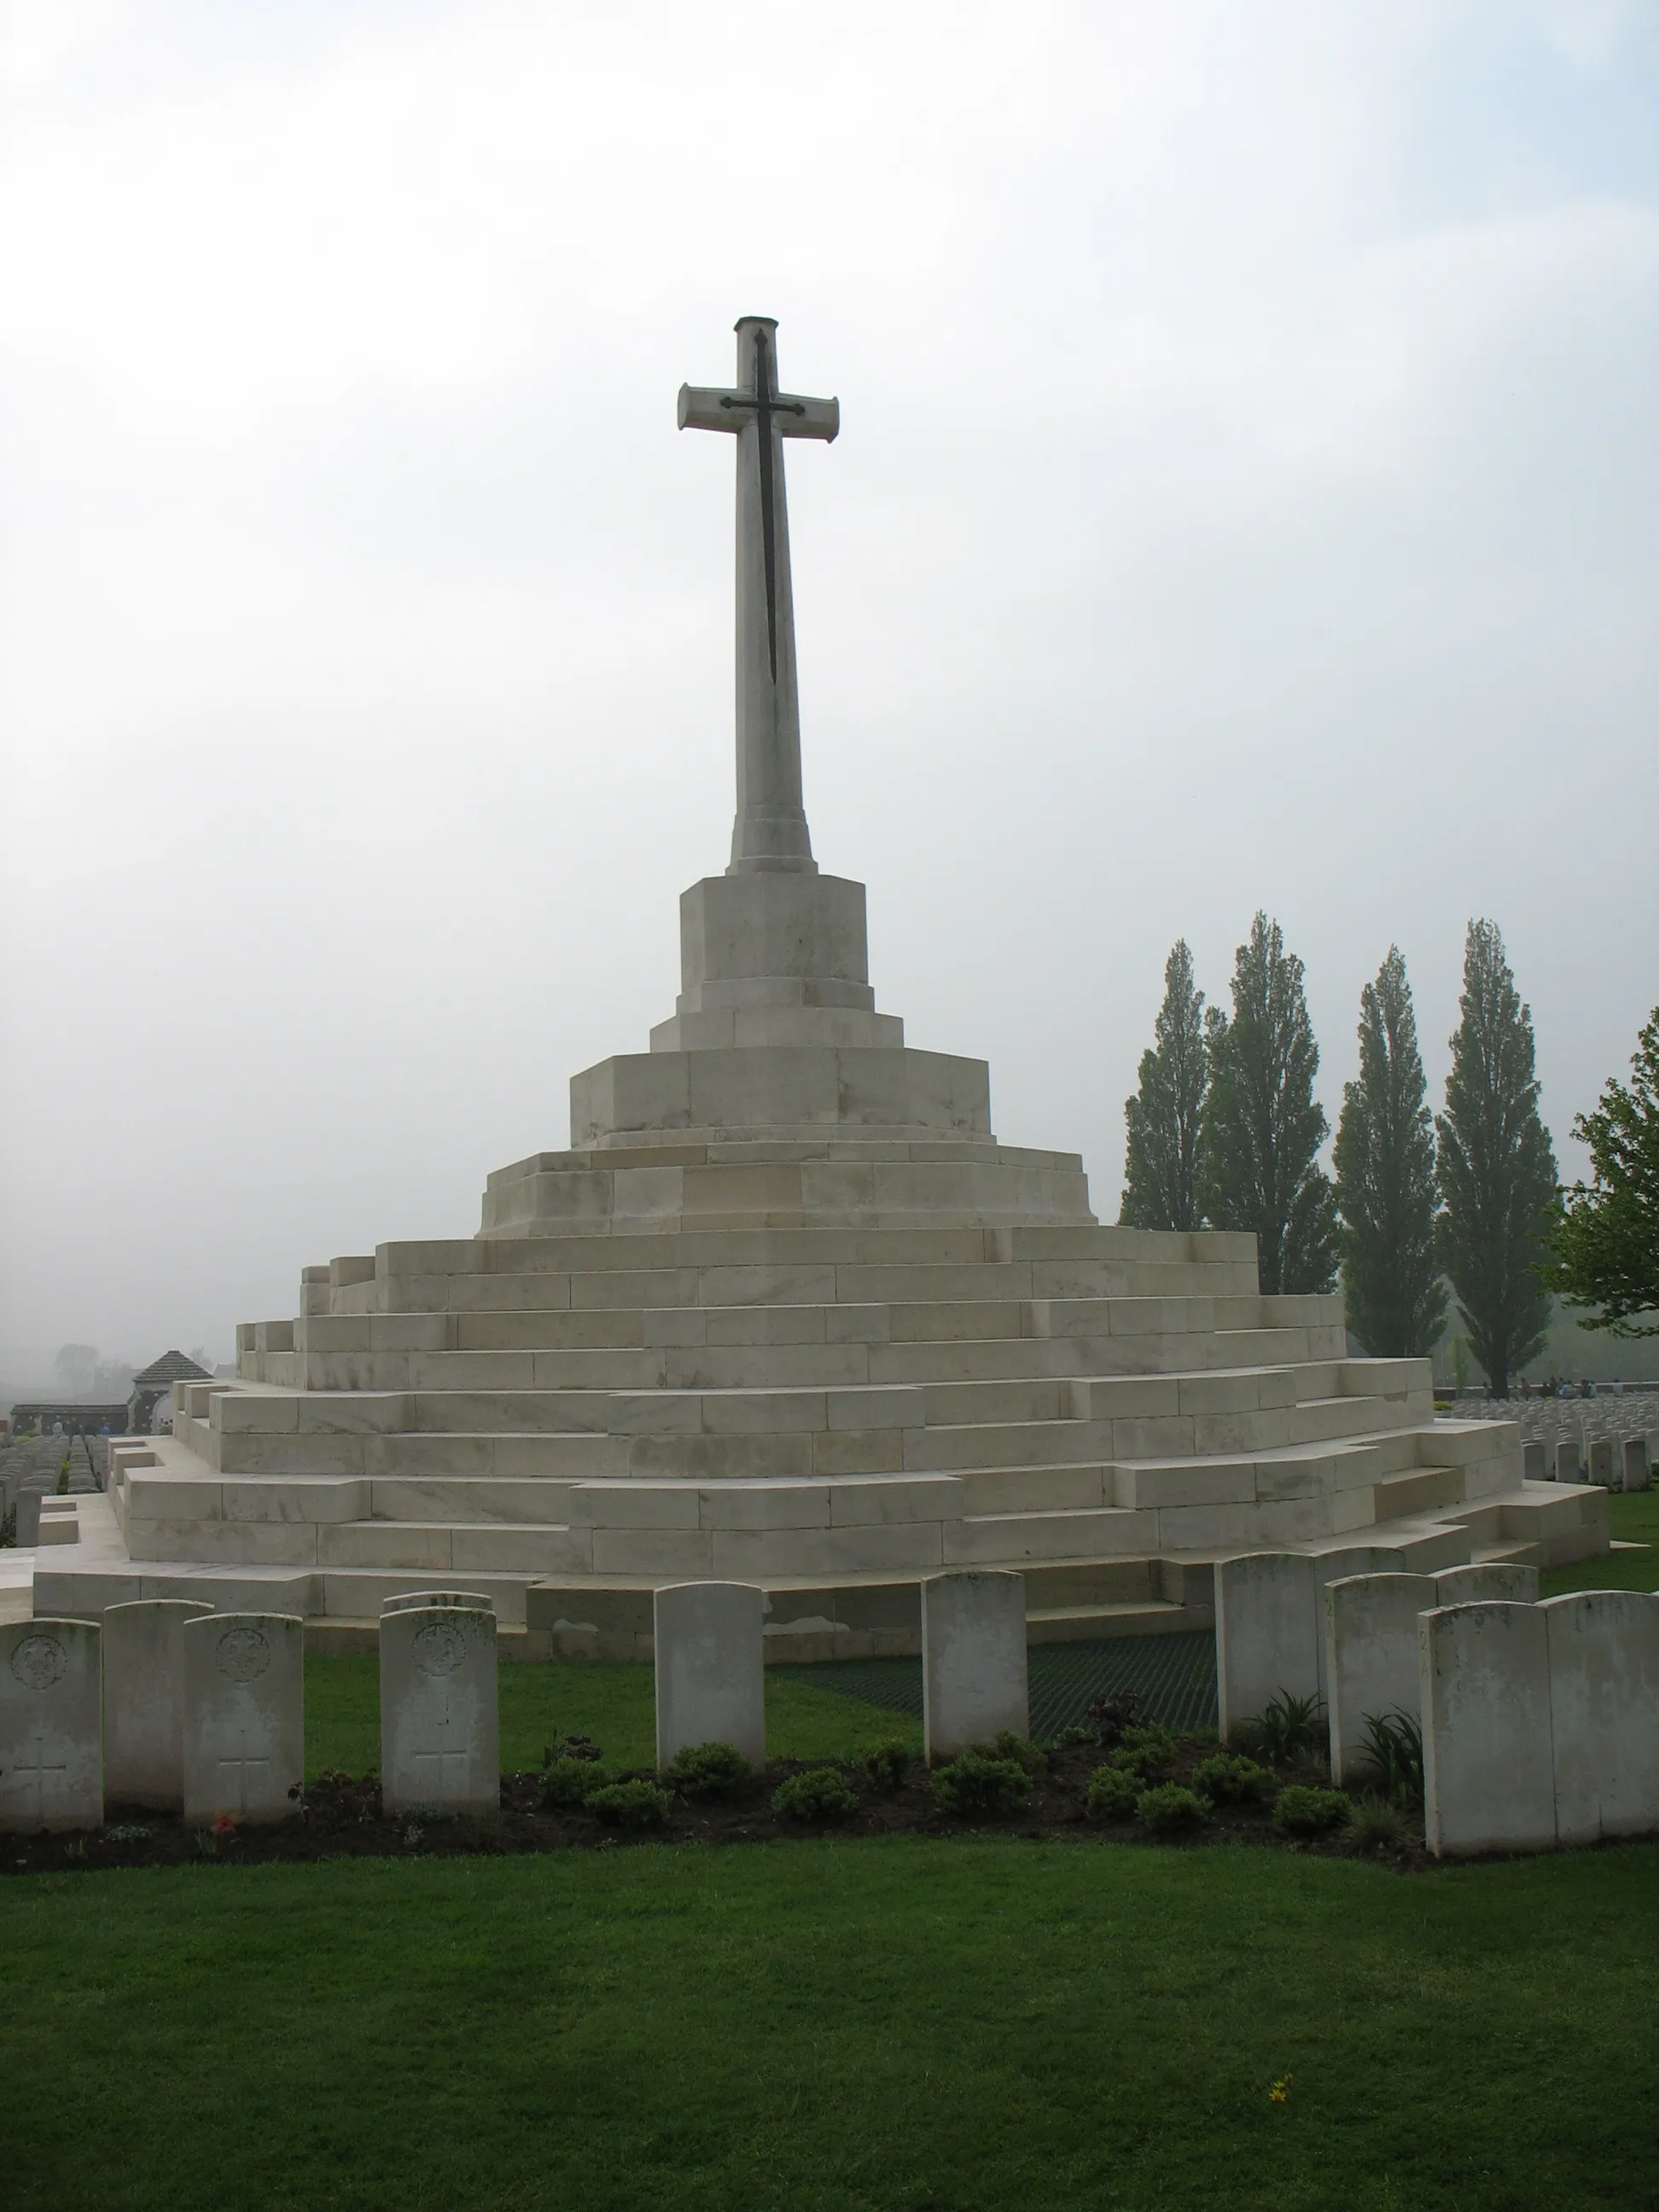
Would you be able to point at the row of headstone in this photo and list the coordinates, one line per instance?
(171, 1707)
(1540, 1722)
(1612, 1463)
(167, 1707)
(1271, 1624)
(709, 1639)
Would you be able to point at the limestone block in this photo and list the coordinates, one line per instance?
(28, 1518)
(413, 1601)
(1488, 1757)
(143, 1662)
(772, 926)
(1485, 1581)
(1637, 1467)
(51, 1726)
(56, 1528)
(1604, 1704)
(1267, 1634)
(440, 1744)
(1370, 1656)
(974, 1661)
(244, 1716)
(708, 1638)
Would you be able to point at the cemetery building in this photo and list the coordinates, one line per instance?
(786, 1309)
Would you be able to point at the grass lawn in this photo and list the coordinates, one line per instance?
(543, 1702)
(1632, 1518)
(895, 2026)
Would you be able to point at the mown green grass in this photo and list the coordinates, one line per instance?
(541, 1703)
(898, 2025)
(1632, 1518)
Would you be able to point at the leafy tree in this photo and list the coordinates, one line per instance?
(1160, 1171)
(1497, 1168)
(1259, 1166)
(1386, 1194)
(76, 1365)
(1607, 1244)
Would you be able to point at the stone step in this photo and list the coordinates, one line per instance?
(1085, 1623)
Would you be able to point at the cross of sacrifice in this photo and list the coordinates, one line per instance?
(770, 832)
(40, 1767)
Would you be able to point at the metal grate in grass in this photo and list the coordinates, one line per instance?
(1175, 1676)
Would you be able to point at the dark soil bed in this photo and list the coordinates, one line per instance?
(340, 1817)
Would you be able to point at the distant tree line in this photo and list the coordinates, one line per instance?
(1224, 1132)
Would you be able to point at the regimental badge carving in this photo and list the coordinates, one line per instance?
(242, 1654)
(440, 1647)
(39, 1661)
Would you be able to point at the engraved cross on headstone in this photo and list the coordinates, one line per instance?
(770, 832)
(239, 1767)
(39, 1768)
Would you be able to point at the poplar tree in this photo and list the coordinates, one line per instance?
(1165, 1117)
(1262, 1126)
(1388, 1199)
(1497, 1168)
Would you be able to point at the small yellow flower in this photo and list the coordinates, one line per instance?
(1281, 2091)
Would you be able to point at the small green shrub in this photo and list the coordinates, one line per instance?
(977, 1782)
(1375, 1824)
(567, 1784)
(1070, 1736)
(631, 1805)
(1299, 1811)
(1113, 1793)
(1170, 1808)
(127, 1831)
(707, 1770)
(1394, 1754)
(1289, 1729)
(819, 1796)
(1021, 1750)
(1226, 1779)
(887, 1763)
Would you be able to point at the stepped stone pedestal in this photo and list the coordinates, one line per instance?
(787, 1313)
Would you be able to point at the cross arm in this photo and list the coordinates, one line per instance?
(705, 408)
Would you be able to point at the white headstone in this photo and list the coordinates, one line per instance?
(1505, 1580)
(1604, 1701)
(144, 1702)
(440, 1725)
(1534, 1465)
(710, 1668)
(1639, 1469)
(1488, 1765)
(975, 1681)
(475, 1600)
(52, 1772)
(1267, 1634)
(1370, 1657)
(244, 1715)
(1566, 1460)
(1598, 1454)
(1340, 1566)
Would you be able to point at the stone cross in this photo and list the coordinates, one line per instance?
(769, 834)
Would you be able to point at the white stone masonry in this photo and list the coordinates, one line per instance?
(144, 1702)
(709, 1668)
(50, 1732)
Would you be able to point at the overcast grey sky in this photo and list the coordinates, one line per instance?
(1247, 495)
